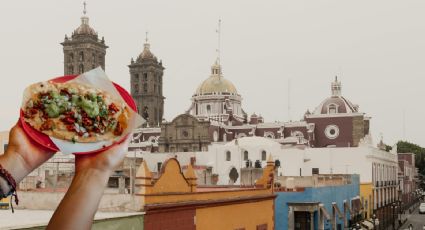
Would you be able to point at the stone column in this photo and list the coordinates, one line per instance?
(312, 220)
(321, 220)
(121, 185)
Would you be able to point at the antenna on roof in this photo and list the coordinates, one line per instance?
(218, 31)
(85, 10)
(289, 99)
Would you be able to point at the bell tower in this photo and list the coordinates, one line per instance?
(83, 51)
(146, 86)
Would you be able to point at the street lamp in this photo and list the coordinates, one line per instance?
(399, 211)
(393, 206)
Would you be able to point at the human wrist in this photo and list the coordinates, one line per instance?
(15, 165)
(5, 188)
(100, 175)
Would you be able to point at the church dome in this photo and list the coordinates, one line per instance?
(84, 28)
(336, 103)
(216, 83)
(146, 53)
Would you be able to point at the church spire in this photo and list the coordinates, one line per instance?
(216, 68)
(146, 46)
(336, 87)
(218, 41)
(84, 18)
(85, 10)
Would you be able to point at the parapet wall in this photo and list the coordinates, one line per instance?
(50, 200)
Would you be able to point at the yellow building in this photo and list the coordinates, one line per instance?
(366, 196)
(174, 201)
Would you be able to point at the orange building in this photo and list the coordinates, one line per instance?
(174, 201)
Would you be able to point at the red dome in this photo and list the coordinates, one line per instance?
(336, 103)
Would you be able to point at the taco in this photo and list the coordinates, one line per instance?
(75, 112)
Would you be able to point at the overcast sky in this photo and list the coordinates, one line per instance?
(377, 48)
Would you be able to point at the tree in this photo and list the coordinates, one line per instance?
(407, 147)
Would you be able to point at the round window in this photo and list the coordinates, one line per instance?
(185, 133)
(332, 131)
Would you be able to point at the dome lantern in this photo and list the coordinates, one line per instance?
(216, 83)
(336, 87)
(84, 28)
(336, 103)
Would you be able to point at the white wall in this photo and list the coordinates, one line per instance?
(349, 160)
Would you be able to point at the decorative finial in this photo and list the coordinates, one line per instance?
(146, 39)
(336, 78)
(85, 10)
(219, 38)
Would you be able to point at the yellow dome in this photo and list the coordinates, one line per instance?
(216, 83)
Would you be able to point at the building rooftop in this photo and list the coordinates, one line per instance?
(223, 188)
(36, 218)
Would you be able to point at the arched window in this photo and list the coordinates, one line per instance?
(145, 87)
(297, 134)
(263, 155)
(208, 108)
(228, 156)
(332, 108)
(81, 69)
(136, 88)
(269, 135)
(94, 58)
(71, 57)
(233, 176)
(81, 56)
(245, 155)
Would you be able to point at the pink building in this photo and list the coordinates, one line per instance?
(406, 177)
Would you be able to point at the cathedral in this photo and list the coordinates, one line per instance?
(216, 114)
